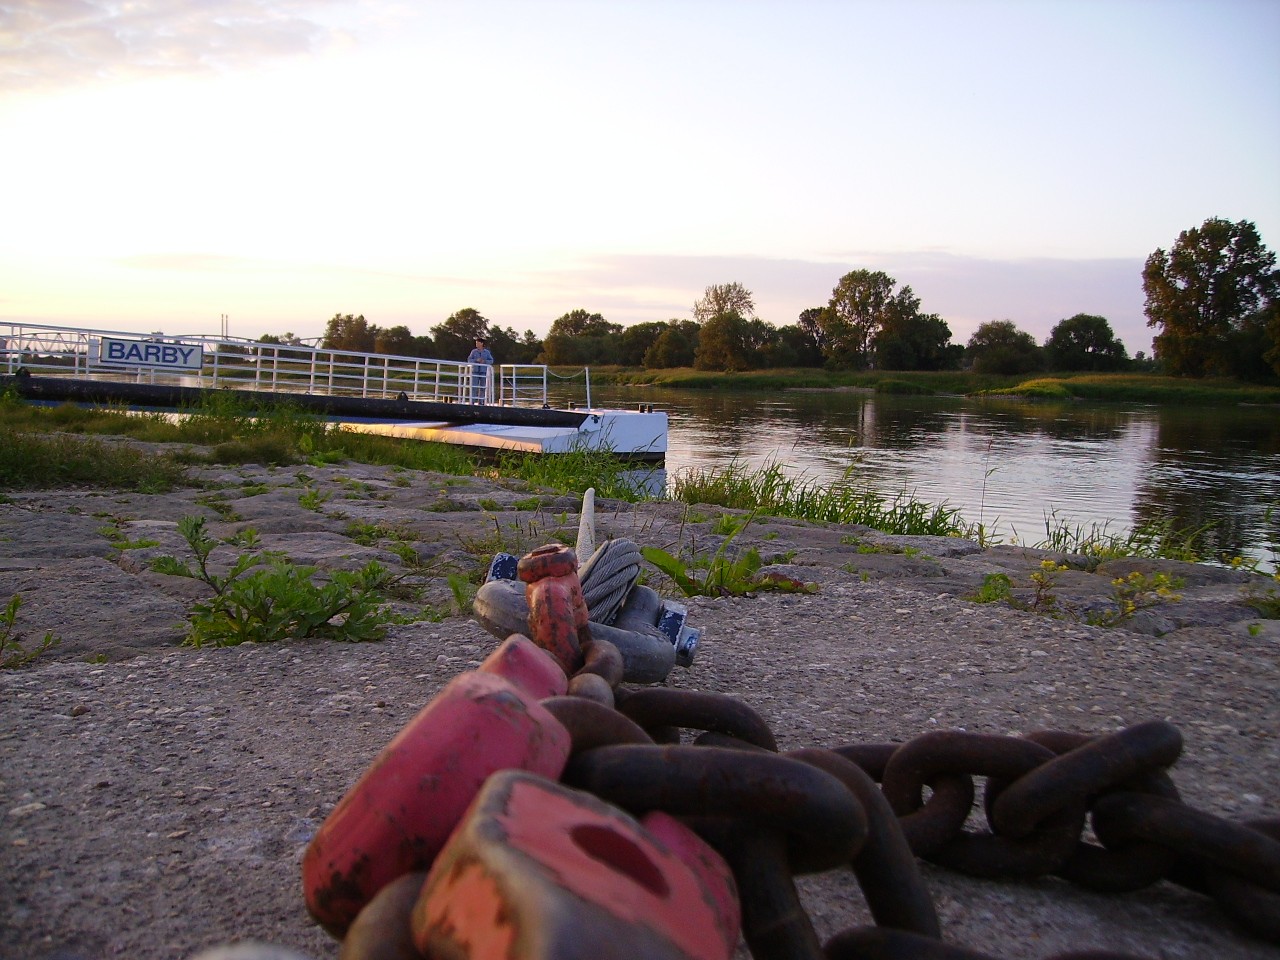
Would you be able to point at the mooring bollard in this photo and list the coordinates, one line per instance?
(401, 812)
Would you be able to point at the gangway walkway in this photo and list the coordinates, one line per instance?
(232, 363)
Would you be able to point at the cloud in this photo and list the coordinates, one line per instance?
(52, 43)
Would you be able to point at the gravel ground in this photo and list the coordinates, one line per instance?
(157, 805)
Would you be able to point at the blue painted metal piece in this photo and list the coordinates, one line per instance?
(503, 567)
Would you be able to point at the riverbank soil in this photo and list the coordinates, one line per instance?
(155, 799)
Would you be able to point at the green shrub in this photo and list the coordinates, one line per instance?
(263, 598)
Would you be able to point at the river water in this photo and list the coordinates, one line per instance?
(1015, 466)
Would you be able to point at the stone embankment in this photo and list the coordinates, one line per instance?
(155, 799)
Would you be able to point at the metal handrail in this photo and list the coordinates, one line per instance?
(238, 363)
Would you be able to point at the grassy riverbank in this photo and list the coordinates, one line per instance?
(1119, 387)
(45, 447)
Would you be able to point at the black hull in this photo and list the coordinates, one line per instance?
(164, 397)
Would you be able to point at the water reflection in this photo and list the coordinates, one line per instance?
(1017, 467)
(1201, 461)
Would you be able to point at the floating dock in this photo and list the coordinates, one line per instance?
(407, 397)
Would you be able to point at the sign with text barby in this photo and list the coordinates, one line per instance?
(149, 353)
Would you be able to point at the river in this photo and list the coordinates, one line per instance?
(1018, 467)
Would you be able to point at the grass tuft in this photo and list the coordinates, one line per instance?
(38, 461)
(769, 491)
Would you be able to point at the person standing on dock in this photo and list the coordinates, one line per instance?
(481, 361)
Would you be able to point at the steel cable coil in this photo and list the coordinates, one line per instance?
(608, 576)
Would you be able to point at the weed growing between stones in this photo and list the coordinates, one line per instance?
(13, 654)
(1154, 538)
(996, 587)
(770, 491)
(312, 499)
(1043, 581)
(1137, 591)
(517, 537)
(463, 590)
(1265, 601)
(723, 573)
(278, 600)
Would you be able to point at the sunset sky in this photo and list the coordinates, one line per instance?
(166, 162)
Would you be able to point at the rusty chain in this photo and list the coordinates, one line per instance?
(1101, 811)
(773, 816)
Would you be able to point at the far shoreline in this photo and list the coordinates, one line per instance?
(1100, 387)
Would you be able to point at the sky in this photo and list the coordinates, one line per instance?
(169, 163)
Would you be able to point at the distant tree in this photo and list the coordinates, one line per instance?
(636, 340)
(1143, 364)
(504, 346)
(347, 332)
(1252, 349)
(724, 343)
(423, 346)
(281, 339)
(811, 323)
(580, 337)
(797, 348)
(455, 337)
(723, 298)
(910, 340)
(779, 352)
(1272, 355)
(523, 348)
(1214, 277)
(675, 346)
(764, 345)
(581, 323)
(397, 341)
(1000, 347)
(861, 303)
(1084, 342)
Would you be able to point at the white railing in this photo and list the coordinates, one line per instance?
(249, 365)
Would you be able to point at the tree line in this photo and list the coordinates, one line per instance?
(1212, 298)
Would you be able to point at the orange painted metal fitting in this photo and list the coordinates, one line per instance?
(539, 871)
(403, 809)
(528, 666)
(557, 613)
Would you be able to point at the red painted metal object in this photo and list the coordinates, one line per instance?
(557, 613)
(528, 666)
(401, 812)
(539, 871)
